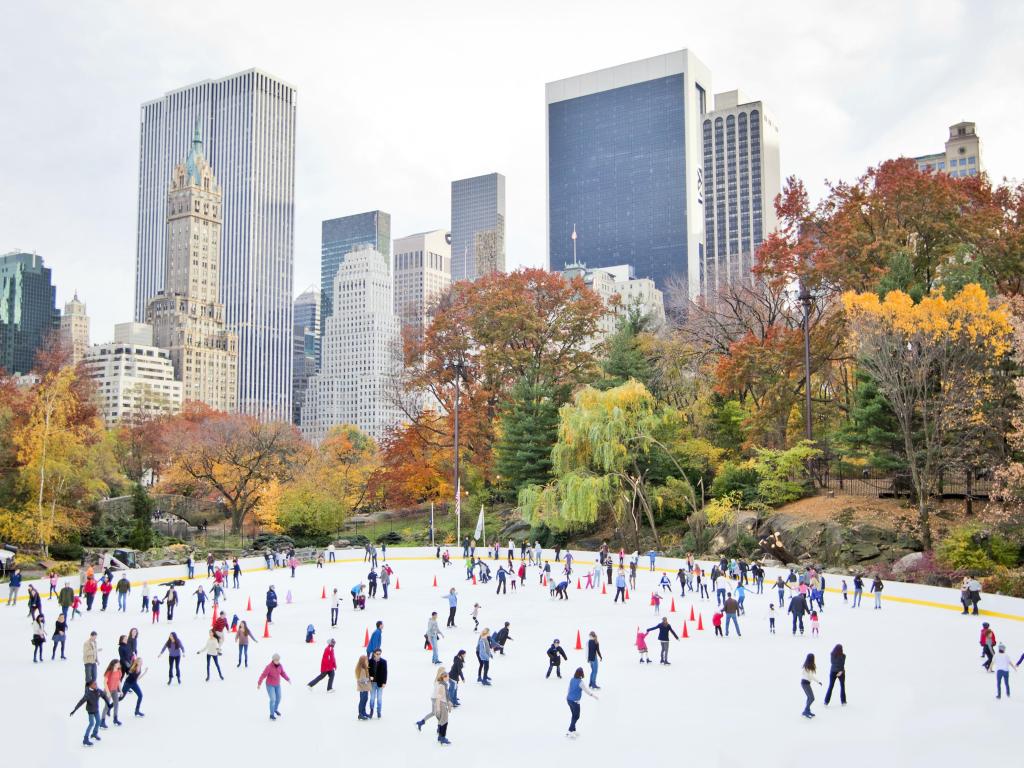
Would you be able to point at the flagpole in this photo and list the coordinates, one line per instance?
(431, 523)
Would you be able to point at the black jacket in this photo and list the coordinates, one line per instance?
(594, 650)
(798, 606)
(379, 671)
(663, 631)
(271, 599)
(91, 698)
(502, 636)
(456, 671)
(838, 663)
(556, 653)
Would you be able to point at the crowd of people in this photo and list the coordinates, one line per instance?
(726, 584)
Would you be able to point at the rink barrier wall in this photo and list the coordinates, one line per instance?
(338, 561)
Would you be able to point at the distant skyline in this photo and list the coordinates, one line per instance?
(849, 87)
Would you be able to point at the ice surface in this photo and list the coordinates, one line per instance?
(917, 695)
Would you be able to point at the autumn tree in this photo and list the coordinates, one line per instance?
(500, 329)
(230, 456)
(934, 362)
(601, 463)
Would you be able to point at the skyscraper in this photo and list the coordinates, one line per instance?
(341, 235)
(28, 310)
(362, 359)
(962, 155)
(741, 180)
(248, 123)
(186, 316)
(478, 226)
(624, 167)
(423, 271)
(74, 328)
(305, 346)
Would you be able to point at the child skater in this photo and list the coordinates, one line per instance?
(656, 602)
(641, 646)
(665, 583)
(716, 621)
(814, 623)
(771, 618)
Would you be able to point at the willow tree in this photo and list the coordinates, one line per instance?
(602, 463)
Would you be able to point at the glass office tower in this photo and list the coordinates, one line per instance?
(624, 168)
(478, 226)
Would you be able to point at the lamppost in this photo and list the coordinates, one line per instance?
(458, 368)
(805, 301)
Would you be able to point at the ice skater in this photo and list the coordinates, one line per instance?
(808, 675)
(433, 634)
(273, 673)
(174, 649)
(664, 630)
(876, 589)
(131, 684)
(814, 624)
(837, 673)
(455, 676)
(573, 697)
(593, 657)
(1002, 665)
(484, 654)
(641, 646)
(555, 655)
(91, 699)
(328, 666)
(242, 637)
(212, 651)
(453, 603)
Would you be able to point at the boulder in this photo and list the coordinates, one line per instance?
(908, 563)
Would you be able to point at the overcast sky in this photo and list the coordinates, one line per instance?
(396, 99)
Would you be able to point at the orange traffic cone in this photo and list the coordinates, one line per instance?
(323, 593)
(366, 638)
(626, 597)
(700, 622)
(248, 605)
(691, 613)
(579, 644)
(474, 578)
(686, 633)
(398, 584)
(435, 581)
(578, 584)
(266, 629)
(672, 608)
(603, 590)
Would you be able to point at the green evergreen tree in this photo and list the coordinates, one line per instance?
(872, 433)
(624, 358)
(529, 429)
(142, 514)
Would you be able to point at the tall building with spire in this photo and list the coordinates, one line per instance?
(74, 328)
(187, 315)
(248, 121)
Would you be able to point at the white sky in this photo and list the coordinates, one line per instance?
(398, 98)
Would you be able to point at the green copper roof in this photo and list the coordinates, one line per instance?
(195, 155)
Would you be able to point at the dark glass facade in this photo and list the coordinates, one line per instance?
(338, 237)
(617, 172)
(28, 310)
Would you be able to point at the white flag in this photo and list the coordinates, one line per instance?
(478, 534)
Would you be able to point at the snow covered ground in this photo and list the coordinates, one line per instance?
(917, 695)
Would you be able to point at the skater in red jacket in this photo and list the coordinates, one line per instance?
(327, 667)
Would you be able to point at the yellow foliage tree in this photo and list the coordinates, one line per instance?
(934, 363)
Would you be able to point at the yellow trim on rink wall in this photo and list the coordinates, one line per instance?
(890, 598)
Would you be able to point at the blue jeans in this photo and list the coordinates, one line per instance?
(574, 707)
(453, 692)
(122, 601)
(93, 726)
(433, 644)
(274, 694)
(731, 617)
(593, 673)
(243, 651)
(376, 698)
(1002, 676)
(720, 594)
(856, 597)
(363, 696)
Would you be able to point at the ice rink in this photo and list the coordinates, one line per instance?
(917, 693)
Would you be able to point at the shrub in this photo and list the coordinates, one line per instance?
(977, 550)
(722, 511)
(1005, 582)
(68, 550)
(736, 477)
(272, 541)
(65, 567)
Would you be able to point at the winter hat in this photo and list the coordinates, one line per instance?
(276, 657)
(984, 624)
(1002, 647)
